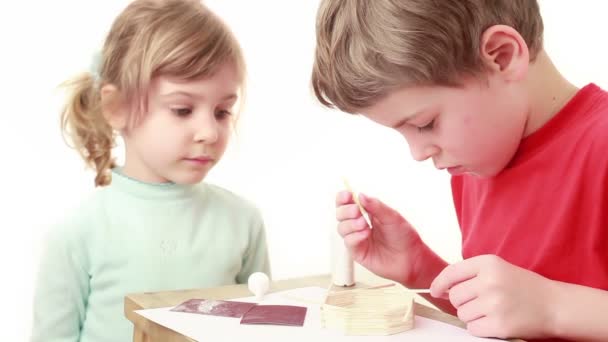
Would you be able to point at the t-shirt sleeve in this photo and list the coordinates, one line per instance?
(256, 257)
(61, 292)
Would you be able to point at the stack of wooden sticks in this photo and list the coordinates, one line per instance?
(384, 310)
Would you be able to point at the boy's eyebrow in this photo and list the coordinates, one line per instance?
(406, 119)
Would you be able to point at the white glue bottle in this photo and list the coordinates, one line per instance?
(342, 265)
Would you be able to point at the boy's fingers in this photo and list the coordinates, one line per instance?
(347, 211)
(351, 226)
(470, 311)
(353, 240)
(343, 197)
(452, 275)
(483, 327)
(380, 211)
(462, 293)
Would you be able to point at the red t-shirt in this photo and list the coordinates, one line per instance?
(548, 210)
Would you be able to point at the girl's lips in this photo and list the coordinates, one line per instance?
(199, 160)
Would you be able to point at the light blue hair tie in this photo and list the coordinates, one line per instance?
(95, 66)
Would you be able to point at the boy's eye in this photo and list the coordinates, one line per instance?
(222, 114)
(183, 111)
(426, 127)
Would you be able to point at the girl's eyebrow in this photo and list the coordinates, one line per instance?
(197, 96)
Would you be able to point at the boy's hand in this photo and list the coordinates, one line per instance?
(497, 299)
(389, 249)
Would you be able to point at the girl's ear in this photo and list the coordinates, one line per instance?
(113, 107)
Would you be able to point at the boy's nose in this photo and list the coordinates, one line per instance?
(423, 153)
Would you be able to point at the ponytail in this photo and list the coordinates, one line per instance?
(83, 122)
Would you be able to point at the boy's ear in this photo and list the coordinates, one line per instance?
(504, 51)
(113, 107)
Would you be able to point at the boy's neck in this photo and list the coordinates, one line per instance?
(548, 91)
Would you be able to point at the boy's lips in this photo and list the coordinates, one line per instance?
(456, 170)
(453, 170)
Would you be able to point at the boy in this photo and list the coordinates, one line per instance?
(468, 84)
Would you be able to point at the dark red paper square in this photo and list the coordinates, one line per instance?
(275, 314)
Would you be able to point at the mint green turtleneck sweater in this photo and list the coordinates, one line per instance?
(136, 237)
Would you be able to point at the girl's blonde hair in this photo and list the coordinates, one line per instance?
(177, 38)
(366, 48)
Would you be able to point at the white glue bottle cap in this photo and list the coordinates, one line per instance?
(258, 283)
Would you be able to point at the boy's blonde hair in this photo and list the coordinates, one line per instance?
(366, 48)
(177, 38)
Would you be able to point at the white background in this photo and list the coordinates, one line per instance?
(289, 156)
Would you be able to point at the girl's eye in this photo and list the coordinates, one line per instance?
(427, 127)
(184, 111)
(222, 114)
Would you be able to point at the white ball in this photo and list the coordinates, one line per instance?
(258, 284)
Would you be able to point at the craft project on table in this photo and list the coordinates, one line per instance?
(200, 327)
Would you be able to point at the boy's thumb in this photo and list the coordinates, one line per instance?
(379, 211)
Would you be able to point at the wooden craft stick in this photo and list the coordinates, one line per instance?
(393, 284)
(419, 290)
(380, 286)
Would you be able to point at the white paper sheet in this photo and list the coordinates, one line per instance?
(212, 328)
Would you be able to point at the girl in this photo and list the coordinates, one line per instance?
(169, 76)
